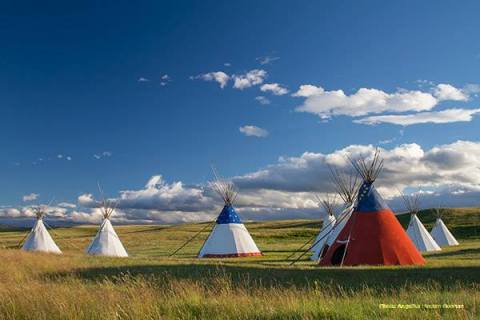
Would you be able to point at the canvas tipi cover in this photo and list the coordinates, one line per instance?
(107, 242)
(40, 240)
(420, 236)
(229, 237)
(442, 235)
(322, 237)
(337, 228)
(372, 235)
(440, 232)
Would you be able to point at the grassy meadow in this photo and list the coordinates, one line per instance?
(152, 285)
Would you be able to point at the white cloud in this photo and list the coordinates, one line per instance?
(253, 131)
(249, 79)
(218, 76)
(445, 116)
(445, 91)
(30, 197)
(471, 88)
(262, 100)
(227, 64)
(104, 154)
(407, 165)
(274, 88)
(266, 59)
(308, 90)
(142, 79)
(365, 101)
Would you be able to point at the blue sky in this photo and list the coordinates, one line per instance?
(125, 83)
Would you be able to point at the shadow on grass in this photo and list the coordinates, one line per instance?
(334, 279)
(460, 252)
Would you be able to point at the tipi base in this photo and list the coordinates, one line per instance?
(233, 255)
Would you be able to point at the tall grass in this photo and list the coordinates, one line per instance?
(150, 285)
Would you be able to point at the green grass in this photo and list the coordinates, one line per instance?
(152, 285)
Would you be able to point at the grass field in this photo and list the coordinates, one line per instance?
(152, 285)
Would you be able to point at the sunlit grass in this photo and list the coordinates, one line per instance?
(152, 285)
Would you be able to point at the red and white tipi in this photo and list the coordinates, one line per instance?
(372, 235)
(229, 237)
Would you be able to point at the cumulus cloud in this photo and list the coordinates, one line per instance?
(262, 100)
(253, 131)
(142, 79)
(274, 88)
(308, 90)
(445, 91)
(365, 101)
(407, 165)
(445, 116)
(218, 76)
(30, 197)
(445, 175)
(251, 78)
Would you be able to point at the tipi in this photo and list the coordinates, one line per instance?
(347, 186)
(441, 234)
(416, 230)
(372, 235)
(327, 226)
(229, 237)
(39, 239)
(106, 241)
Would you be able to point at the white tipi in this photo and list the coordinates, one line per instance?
(39, 239)
(327, 226)
(347, 186)
(229, 237)
(441, 234)
(416, 230)
(106, 241)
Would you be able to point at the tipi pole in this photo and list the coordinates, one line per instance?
(57, 236)
(309, 240)
(192, 238)
(316, 242)
(348, 241)
(303, 246)
(23, 239)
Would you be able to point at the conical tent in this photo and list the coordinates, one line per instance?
(39, 239)
(229, 237)
(441, 234)
(372, 235)
(416, 230)
(347, 186)
(106, 241)
(327, 227)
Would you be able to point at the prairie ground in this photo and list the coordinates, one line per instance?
(152, 285)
